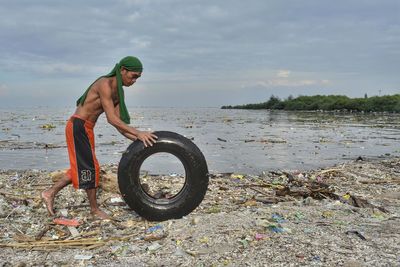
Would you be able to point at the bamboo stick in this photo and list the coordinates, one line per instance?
(394, 181)
(59, 244)
(17, 197)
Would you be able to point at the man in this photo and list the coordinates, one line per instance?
(104, 95)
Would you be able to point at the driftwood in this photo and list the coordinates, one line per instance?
(42, 233)
(305, 189)
(19, 197)
(362, 203)
(82, 243)
(393, 181)
(87, 243)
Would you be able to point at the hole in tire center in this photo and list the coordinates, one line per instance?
(162, 175)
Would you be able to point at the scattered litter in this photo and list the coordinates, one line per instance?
(327, 214)
(214, 209)
(299, 215)
(237, 176)
(154, 228)
(276, 229)
(119, 250)
(154, 246)
(250, 203)
(129, 223)
(195, 220)
(359, 202)
(357, 233)
(204, 240)
(278, 218)
(244, 242)
(179, 252)
(241, 218)
(154, 237)
(378, 215)
(316, 258)
(67, 222)
(15, 177)
(116, 200)
(346, 196)
(259, 236)
(82, 257)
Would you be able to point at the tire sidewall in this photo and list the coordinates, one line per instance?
(186, 200)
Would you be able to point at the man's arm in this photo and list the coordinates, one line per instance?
(113, 118)
(126, 134)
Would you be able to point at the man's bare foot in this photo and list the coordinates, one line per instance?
(99, 214)
(48, 199)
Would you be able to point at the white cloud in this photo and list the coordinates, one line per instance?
(59, 67)
(326, 82)
(66, 69)
(215, 12)
(283, 73)
(140, 43)
(134, 17)
(287, 83)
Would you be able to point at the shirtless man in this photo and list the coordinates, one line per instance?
(104, 95)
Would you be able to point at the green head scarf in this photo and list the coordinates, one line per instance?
(129, 63)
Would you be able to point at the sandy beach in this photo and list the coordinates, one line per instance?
(344, 215)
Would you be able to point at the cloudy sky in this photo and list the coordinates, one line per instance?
(199, 53)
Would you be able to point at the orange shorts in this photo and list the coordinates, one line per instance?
(84, 168)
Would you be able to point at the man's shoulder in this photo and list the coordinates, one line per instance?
(102, 82)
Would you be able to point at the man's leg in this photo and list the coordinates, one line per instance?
(49, 194)
(94, 208)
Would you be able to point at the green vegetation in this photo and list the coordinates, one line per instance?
(388, 103)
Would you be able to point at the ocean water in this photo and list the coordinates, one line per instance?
(240, 141)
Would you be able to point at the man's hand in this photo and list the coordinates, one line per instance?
(148, 138)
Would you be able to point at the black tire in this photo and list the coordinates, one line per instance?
(186, 200)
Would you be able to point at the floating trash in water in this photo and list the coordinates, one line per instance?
(48, 126)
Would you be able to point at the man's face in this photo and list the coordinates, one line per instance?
(129, 77)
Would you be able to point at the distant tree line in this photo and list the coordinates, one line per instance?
(388, 103)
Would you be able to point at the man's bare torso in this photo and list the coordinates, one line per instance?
(92, 107)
